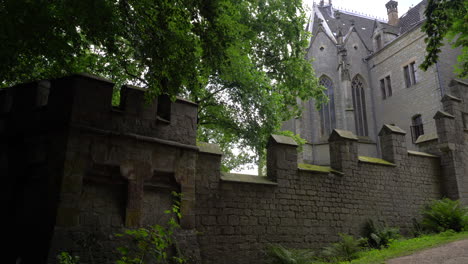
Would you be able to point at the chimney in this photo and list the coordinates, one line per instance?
(392, 11)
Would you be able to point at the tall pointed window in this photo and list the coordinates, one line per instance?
(327, 112)
(417, 127)
(359, 104)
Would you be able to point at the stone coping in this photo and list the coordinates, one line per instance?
(90, 76)
(422, 154)
(393, 129)
(135, 137)
(345, 134)
(377, 161)
(317, 168)
(284, 140)
(426, 138)
(209, 148)
(442, 114)
(245, 178)
(451, 97)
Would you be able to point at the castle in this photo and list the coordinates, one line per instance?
(78, 170)
(371, 71)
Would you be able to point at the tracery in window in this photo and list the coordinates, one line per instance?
(327, 112)
(359, 104)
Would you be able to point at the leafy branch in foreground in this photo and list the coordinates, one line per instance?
(153, 243)
(243, 62)
(446, 19)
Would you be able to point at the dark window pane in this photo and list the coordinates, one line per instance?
(407, 76)
(413, 73)
(417, 128)
(389, 86)
(327, 113)
(359, 103)
(378, 40)
(382, 88)
(364, 116)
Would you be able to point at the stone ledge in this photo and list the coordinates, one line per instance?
(365, 140)
(285, 140)
(91, 76)
(451, 97)
(421, 154)
(209, 148)
(376, 161)
(245, 178)
(391, 129)
(317, 168)
(442, 114)
(342, 134)
(426, 138)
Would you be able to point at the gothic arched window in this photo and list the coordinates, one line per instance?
(327, 112)
(359, 104)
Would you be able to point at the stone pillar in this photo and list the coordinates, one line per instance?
(185, 176)
(281, 157)
(343, 150)
(136, 172)
(452, 167)
(68, 211)
(393, 144)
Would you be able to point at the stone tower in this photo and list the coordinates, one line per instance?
(392, 11)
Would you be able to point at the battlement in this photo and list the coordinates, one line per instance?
(85, 101)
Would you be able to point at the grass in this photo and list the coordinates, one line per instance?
(407, 247)
(403, 247)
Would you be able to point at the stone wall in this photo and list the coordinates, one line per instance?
(79, 171)
(82, 170)
(307, 206)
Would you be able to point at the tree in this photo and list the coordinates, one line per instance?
(446, 19)
(242, 61)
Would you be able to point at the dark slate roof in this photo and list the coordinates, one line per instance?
(364, 26)
(411, 18)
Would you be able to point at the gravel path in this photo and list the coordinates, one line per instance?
(452, 253)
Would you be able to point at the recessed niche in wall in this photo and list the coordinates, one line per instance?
(355, 47)
(322, 48)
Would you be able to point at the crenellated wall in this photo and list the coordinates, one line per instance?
(79, 170)
(307, 206)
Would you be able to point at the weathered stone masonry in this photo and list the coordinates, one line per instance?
(80, 170)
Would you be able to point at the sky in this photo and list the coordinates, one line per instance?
(373, 8)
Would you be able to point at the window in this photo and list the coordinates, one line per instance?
(409, 72)
(386, 87)
(417, 128)
(389, 86)
(378, 42)
(382, 88)
(327, 112)
(359, 104)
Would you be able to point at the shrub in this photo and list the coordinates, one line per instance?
(345, 250)
(380, 235)
(277, 254)
(66, 258)
(445, 214)
(417, 230)
(153, 243)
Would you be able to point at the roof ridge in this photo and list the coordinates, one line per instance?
(359, 14)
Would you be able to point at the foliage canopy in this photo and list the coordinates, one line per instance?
(243, 62)
(446, 19)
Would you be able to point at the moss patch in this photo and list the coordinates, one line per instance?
(375, 161)
(317, 168)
